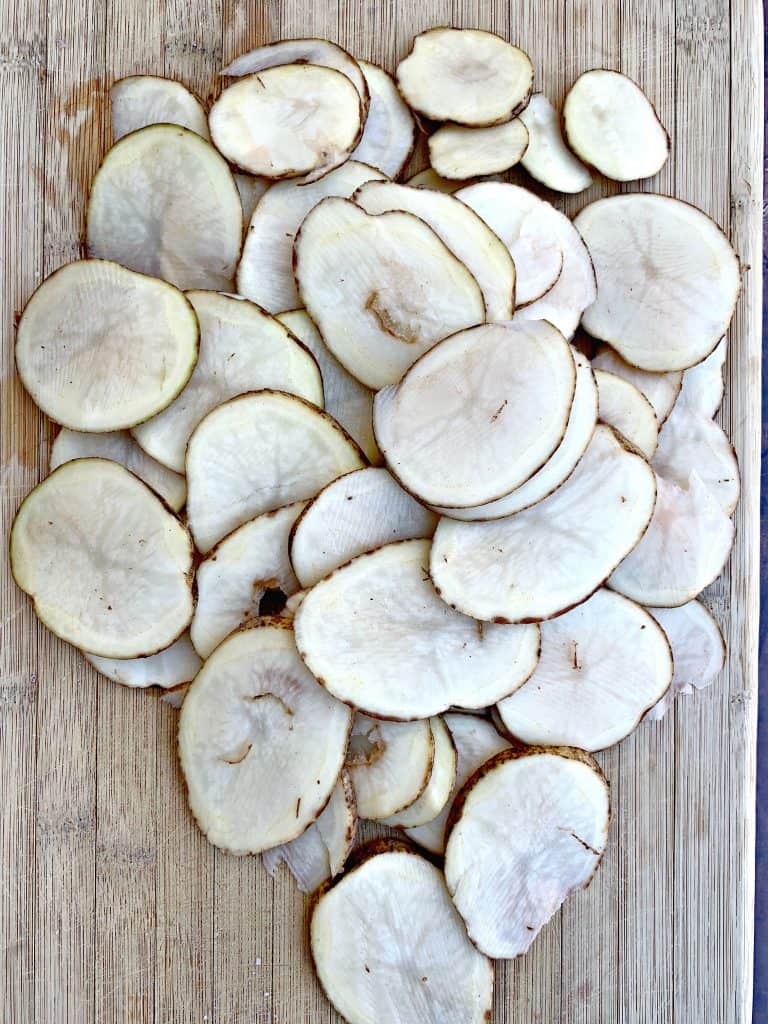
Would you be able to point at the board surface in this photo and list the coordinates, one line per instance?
(113, 908)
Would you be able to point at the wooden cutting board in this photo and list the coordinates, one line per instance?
(112, 905)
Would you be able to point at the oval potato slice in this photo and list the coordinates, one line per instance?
(390, 764)
(547, 158)
(441, 780)
(625, 408)
(141, 100)
(176, 665)
(458, 153)
(698, 650)
(389, 131)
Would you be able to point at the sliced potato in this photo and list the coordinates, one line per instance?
(108, 567)
(624, 407)
(689, 441)
(431, 180)
(261, 744)
(547, 158)
(251, 189)
(176, 665)
(242, 349)
(667, 279)
(661, 389)
(441, 780)
(466, 76)
(390, 764)
(703, 384)
(141, 100)
(389, 131)
(164, 202)
(459, 153)
(288, 120)
(382, 289)
(698, 650)
(378, 636)
(256, 453)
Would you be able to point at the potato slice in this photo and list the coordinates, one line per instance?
(547, 158)
(108, 567)
(256, 453)
(354, 514)
(141, 100)
(466, 76)
(625, 408)
(689, 441)
(527, 830)
(611, 124)
(389, 131)
(357, 629)
(494, 571)
(661, 389)
(176, 665)
(251, 189)
(261, 744)
(100, 348)
(698, 650)
(164, 202)
(441, 780)
(667, 279)
(431, 180)
(242, 349)
(703, 384)
(288, 120)
(356, 274)
(459, 153)
(479, 414)
(390, 764)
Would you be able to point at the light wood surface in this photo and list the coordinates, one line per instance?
(112, 906)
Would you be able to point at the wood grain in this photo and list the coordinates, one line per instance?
(112, 905)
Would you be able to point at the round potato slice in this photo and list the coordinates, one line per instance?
(547, 158)
(176, 665)
(611, 124)
(164, 202)
(661, 389)
(527, 830)
(667, 279)
(441, 780)
(100, 348)
(261, 744)
(625, 408)
(389, 131)
(382, 289)
(108, 567)
(242, 349)
(479, 414)
(256, 453)
(459, 153)
(288, 120)
(390, 764)
(466, 76)
(141, 100)
(379, 637)
(698, 650)
(689, 441)
(703, 384)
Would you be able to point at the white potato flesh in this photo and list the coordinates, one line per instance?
(164, 202)
(559, 466)
(661, 389)
(100, 348)
(261, 744)
(698, 650)
(479, 414)
(547, 158)
(379, 637)
(429, 179)
(120, 447)
(683, 550)
(467, 236)
(667, 279)
(466, 76)
(390, 764)
(611, 124)
(256, 453)
(475, 741)
(602, 666)
(459, 153)
(108, 567)
(141, 100)
(251, 189)
(287, 120)
(389, 132)
(625, 408)
(346, 399)
(382, 289)
(242, 348)
(530, 829)
(542, 561)
(703, 384)
(265, 272)
(438, 789)
(689, 441)
(172, 667)
(389, 947)
(354, 514)
(233, 579)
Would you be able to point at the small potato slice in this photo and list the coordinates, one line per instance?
(176, 665)
(390, 764)
(611, 124)
(382, 289)
(703, 384)
(661, 389)
(429, 179)
(689, 441)
(261, 744)
(459, 153)
(466, 76)
(120, 447)
(389, 131)
(141, 100)
(354, 514)
(256, 453)
(493, 570)
(242, 349)
(547, 158)
(108, 567)
(100, 348)
(527, 830)
(164, 202)
(698, 650)
(288, 120)
(441, 781)
(667, 279)
(377, 634)
(625, 408)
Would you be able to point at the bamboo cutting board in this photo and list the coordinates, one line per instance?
(113, 908)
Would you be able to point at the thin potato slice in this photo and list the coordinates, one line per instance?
(141, 100)
(389, 131)
(703, 384)
(689, 441)
(459, 153)
(661, 389)
(698, 650)
(431, 180)
(176, 665)
(389, 763)
(251, 189)
(625, 408)
(547, 158)
(441, 780)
